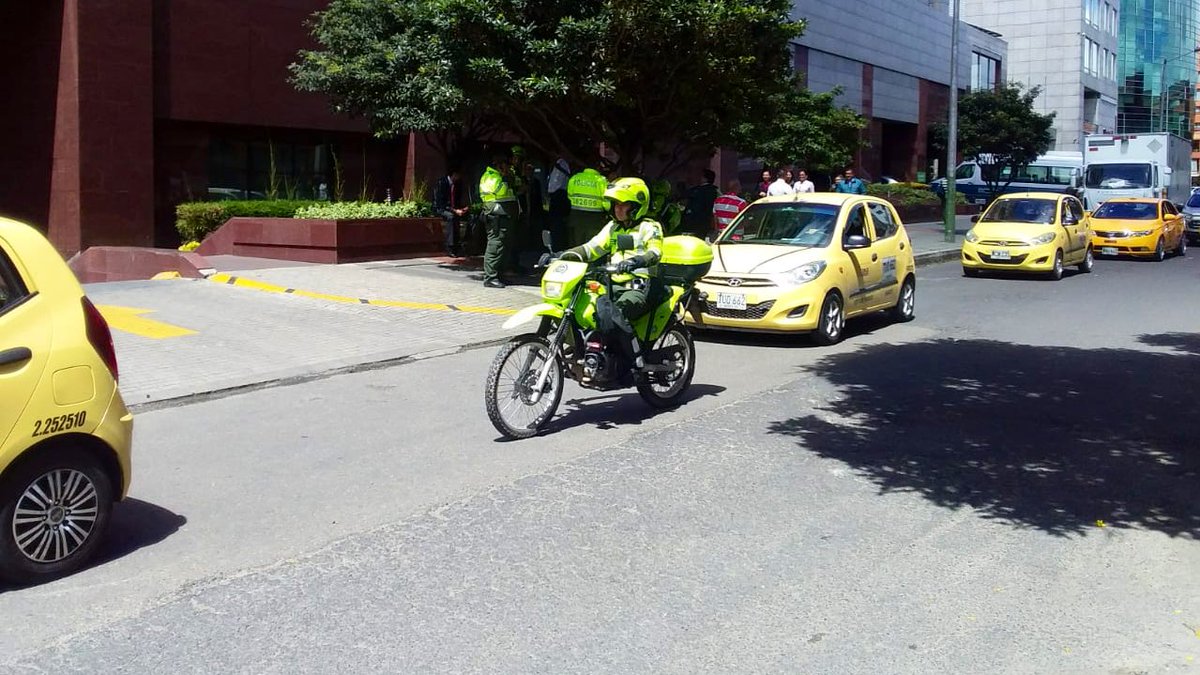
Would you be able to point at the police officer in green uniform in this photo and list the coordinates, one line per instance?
(666, 212)
(499, 207)
(637, 285)
(585, 190)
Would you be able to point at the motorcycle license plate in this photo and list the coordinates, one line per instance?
(731, 301)
(1000, 254)
(1108, 250)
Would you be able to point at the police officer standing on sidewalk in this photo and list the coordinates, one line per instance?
(586, 190)
(499, 207)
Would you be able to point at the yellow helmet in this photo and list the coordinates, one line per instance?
(632, 190)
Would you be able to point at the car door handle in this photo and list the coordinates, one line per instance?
(874, 257)
(15, 355)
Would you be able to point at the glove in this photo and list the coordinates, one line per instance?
(630, 264)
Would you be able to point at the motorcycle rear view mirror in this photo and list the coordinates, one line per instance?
(546, 241)
(625, 242)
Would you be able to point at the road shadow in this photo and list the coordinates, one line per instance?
(1068, 273)
(613, 409)
(855, 328)
(1056, 439)
(134, 525)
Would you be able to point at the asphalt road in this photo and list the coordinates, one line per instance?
(1007, 484)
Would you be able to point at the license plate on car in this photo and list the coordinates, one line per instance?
(1000, 254)
(1108, 250)
(731, 301)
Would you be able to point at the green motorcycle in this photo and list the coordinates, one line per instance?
(525, 383)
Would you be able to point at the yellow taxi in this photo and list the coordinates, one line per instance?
(1142, 227)
(807, 263)
(1030, 232)
(65, 434)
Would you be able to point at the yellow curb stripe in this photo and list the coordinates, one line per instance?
(223, 278)
(129, 320)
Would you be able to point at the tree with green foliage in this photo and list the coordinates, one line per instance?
(607, 83)
(801, 127)
(1001, 130)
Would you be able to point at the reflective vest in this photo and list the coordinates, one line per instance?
(493, 187)
(647, 242)
(586, 190)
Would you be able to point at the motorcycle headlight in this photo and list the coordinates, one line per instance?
(802, 274)
(971, 236)
(552, 289)
(1044, 238)
(1140, 233)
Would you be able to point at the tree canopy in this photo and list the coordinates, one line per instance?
(803, 128)
(1001, 130)
(610, 83)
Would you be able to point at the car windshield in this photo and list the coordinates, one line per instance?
(1194, 200)
(1118, 176)
(789, 224)
(1021, 210)
(1127, 211)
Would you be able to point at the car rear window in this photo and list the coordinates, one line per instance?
(12, 289)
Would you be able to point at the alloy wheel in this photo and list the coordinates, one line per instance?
(55, 515)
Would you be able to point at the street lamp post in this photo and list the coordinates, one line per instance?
(1162, 82)
(949, 220)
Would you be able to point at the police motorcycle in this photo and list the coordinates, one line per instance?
(574, 339)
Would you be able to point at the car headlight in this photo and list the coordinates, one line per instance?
(1140, 233)
(1044, 238)
(552, 289)
(971, 236)
(802, 274)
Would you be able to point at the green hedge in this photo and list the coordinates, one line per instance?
(196, 220)
(902, 194)
(359, 210)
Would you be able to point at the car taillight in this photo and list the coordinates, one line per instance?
(100, 337)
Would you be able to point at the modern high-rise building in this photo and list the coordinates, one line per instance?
(1156, 65)
(1066, 47)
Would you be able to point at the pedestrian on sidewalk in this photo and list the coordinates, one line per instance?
(764, 184)
(449, 202)
(559, 203)
(698, 214)
(500, 205)
(728, 205)
(781, 186)
(803, 184)
(849, 184)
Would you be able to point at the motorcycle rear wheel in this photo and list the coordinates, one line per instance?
(508, 393)
(666, 390)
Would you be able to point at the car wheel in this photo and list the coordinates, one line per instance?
(970, 272)
(1160, 251)
(54, 510)
(1089, 261)
(833, 320)
(1181, 250)
(1056, 272)
(906, 305)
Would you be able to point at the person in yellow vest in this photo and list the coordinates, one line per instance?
(666, 212)
(636, 285)
(585, 190)
(499, 207)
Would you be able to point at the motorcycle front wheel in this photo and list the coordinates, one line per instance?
(514, 407)
(664, 389)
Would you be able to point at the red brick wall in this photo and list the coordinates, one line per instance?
(226, 61)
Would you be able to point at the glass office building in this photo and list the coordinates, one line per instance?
(1156, 66)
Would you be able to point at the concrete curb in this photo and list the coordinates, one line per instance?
(935, 257)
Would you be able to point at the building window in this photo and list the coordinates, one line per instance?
(985, 72)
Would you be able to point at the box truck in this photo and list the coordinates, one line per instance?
(1136, 165)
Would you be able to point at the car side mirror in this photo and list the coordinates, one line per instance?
(856, 241)
(975, 218)
(625, 242)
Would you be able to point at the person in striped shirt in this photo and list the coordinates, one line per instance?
(727, 206)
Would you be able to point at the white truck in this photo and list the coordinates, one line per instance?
(1136, 165)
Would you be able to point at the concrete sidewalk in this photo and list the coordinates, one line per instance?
(260, 322)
